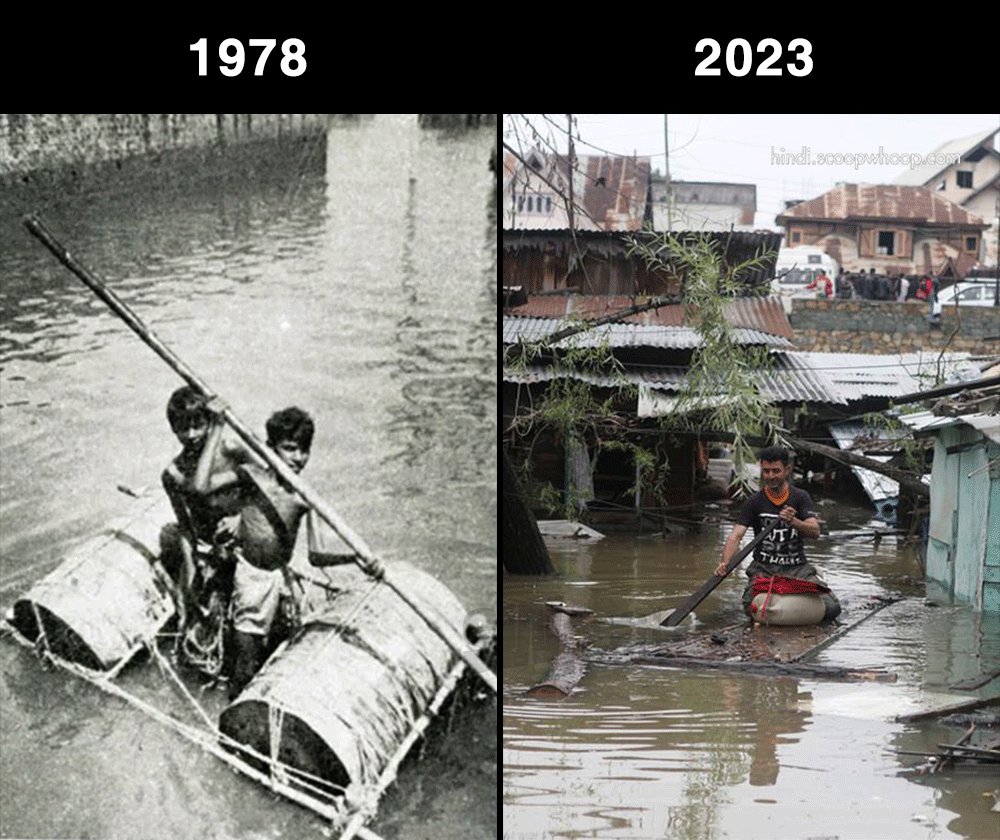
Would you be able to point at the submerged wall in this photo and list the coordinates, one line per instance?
(33, 142)
(867, 326)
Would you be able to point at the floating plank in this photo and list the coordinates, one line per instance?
(564, 529)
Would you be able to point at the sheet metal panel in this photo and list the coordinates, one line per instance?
(625, 335)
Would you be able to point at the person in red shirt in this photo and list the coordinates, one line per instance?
(824, 283)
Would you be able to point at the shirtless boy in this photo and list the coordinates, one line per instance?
(198, 504)
(269, 515)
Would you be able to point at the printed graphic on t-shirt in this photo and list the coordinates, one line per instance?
(783, 546)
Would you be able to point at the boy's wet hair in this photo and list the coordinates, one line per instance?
(290, 424)
(186, 406)
(775, 453)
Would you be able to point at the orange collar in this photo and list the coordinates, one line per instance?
(779, 500)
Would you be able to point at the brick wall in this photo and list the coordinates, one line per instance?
(866, 326)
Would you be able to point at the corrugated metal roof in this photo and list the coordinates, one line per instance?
(734, 247)
(924, 421)
(785, 383)
(852, 432)
(517, 330)
(855, 376)
(882, 201)
(764, 314)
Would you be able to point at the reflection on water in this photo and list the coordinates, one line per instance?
(648, 752)
(351, 276)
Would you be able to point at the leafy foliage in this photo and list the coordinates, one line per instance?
(719, 392)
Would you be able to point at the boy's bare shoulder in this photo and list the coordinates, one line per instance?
(236, 452)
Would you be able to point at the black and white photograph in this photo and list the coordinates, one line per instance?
(248, 473)
(750, 442)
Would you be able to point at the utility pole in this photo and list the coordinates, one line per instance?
(666, 175)
(569, 134)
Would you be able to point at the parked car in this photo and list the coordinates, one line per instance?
(796, 268)
(969, 293)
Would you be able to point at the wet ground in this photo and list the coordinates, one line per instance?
(354, 277)
(649, 752)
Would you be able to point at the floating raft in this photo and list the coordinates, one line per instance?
(753, 648)
(331, 715)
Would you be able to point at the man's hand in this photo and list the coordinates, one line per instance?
(787, 514)
(721, 568)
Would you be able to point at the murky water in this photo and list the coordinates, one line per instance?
(359, 285)
(645, 752)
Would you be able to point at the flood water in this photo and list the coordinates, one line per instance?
(354, 277)
(645, 752)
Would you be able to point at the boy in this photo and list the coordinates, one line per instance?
(265, 532)
(190, 553)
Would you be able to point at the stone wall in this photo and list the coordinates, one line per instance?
(33, 142)
(867, 326)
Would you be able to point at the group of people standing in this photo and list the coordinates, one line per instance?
(871, 286)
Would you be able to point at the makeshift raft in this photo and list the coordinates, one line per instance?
(754, 648)
(331, 715)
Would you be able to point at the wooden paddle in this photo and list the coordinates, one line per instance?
(364, 557)
(678, 615)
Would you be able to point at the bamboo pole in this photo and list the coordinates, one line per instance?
(364, 556)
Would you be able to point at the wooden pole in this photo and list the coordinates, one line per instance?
(706, 588)
(364, 557)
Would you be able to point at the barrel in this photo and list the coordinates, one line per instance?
(106, 598)
(337, 701)
(787, 610)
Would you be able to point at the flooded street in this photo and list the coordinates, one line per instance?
(352, 275)
(652, 752)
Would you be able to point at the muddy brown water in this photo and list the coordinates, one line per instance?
(645, 752)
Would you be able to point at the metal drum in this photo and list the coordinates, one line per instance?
(105, 598)
(338, 700)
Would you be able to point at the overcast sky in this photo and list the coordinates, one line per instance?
(738, 148)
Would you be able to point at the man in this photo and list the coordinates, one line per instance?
(782, 552)
(823, 285)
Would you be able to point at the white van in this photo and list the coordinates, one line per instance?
(797, 267)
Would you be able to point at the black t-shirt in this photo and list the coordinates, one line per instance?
(783, 546)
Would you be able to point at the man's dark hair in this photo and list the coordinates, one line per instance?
(291, 424)
(775, 453)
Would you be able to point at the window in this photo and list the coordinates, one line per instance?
(942, 185)
(971, 244)
(972, 293)
(885, 242)
(796, 236)
(541, 204)
(964, 179)
(815, 259)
